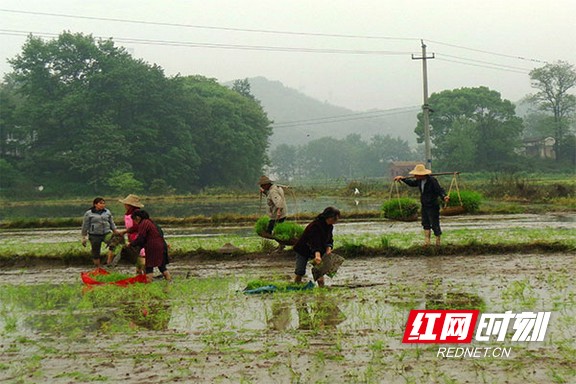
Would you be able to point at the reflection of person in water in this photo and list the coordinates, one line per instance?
(320, 314)
(280, 319)
(153, 315)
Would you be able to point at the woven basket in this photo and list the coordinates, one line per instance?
(453, 211)
(414, 217)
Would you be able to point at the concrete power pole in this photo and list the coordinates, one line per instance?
(425, 106)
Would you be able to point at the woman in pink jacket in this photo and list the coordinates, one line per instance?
(131, 204)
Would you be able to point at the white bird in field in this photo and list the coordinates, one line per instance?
(356, 191)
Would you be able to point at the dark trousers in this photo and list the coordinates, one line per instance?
(301, 262)
(96, 245)
(431, 219)
(272, 223)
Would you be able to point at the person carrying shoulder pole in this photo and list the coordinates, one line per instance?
(430, 193)
(275, 200)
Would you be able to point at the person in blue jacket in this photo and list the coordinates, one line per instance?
(97, 227)
(430, 195)
(316, 241)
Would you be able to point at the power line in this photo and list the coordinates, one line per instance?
(489, 52)
(222, 46)
(172, 43)
(209, 27)
(525, 72)
(347, 117)
(267, 31)
(489, 63)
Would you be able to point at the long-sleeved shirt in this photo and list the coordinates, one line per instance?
(97, 222)
(316, 238)
(276, 201)
(430, 190)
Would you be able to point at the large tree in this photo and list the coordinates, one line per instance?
(554, 81)
(79, 110)
(472, 129)
(231, 132)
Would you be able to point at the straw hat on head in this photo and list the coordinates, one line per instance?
(132, 200)
(420, 170)
(264, 180)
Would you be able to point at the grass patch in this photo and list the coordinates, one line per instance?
(402, 208)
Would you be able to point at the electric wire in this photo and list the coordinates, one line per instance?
(267, 31)
(223, 46)
(347, 117)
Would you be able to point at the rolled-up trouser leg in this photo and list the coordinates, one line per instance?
(301, 262)
(96, 245)
(431, 219)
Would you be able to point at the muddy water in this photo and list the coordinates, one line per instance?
(349, 333)
(207, 330)
(193, 207)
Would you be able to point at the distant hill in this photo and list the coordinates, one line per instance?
(299, 118)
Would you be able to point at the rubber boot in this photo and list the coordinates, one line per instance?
(167, 276)
(297, 279)
(426, 237)
(437, 241)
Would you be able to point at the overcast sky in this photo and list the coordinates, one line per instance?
(355, 54)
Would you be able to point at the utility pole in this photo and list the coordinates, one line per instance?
(425, 106)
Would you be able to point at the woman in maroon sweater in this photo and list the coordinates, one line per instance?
(152, 240)
(315, 241)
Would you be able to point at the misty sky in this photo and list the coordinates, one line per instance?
(355, 54)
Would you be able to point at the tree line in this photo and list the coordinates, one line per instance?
(82, 116)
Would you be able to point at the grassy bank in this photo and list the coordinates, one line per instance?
(489, 206)
(18, 252)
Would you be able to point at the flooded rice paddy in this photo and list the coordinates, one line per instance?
(202, 328)
(472, 222)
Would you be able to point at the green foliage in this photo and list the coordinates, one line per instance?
(124, 183)
(356, 158)
(111, 277)
(261, 225)
(402, 208)
(554, 82)
(160, 187)
(80, 109)
(351, 247)
(470, 200)
(288, 230)
(473, 128)
(281, 285)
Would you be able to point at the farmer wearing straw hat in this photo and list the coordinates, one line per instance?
(430, 192)
(275, 200)
(131, 204)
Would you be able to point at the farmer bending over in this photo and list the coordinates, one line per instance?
(315, 241)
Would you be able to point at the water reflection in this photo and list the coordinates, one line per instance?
(193, 207)
(154, 315)
(313, 312)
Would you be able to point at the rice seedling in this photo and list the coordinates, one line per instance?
(402, 208)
